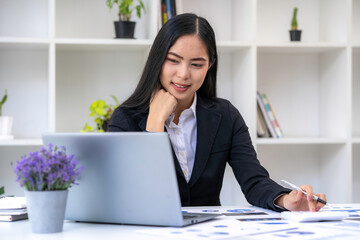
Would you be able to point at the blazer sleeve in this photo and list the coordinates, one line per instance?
(122, 121)
(253, 178)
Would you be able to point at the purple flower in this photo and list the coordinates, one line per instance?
(49, 169)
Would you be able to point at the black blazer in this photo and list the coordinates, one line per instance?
(222, 137)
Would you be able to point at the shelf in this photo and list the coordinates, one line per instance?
(232, 46)
(316, 19)
(300, 47)
(23, 43)
(93, 19)
(64, 56)
(102, 44)
(283, 141)
(22, 142)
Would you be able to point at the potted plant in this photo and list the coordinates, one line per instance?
(102, 112)
(295, 34)
(46, 176)
(124, 28)
(5, 121)
(2, 191)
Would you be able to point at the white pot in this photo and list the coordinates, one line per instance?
(5, 125)
(46, 210)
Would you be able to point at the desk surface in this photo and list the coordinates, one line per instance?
(20, 230)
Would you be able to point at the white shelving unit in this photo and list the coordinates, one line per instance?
(64, 56)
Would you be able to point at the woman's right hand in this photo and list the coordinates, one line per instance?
(162, 105)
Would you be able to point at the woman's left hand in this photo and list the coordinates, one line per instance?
(297, 201)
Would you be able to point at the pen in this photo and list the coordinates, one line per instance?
(294, 187)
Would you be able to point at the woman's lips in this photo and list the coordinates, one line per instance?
(180, 87)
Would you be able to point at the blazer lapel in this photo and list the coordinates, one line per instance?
(142, 125)
(207, 126)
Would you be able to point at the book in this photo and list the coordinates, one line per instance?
(163, 12)
(168, 10)
(266, 117)
(272, 117)
(13, 217)
(12, 203)
(12, 211)
(262, 130)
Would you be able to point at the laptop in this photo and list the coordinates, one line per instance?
(128, 178)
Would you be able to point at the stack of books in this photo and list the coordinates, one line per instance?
(168, 10)
(267, 124)
(13, 209)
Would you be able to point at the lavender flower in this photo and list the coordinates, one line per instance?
(49, 169)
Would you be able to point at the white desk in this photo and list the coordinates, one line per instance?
(20, 230)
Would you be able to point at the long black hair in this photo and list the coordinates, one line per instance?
(183, 24)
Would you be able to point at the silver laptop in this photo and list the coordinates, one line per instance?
(129, 178)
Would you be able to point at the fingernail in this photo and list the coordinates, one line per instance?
(317, 209)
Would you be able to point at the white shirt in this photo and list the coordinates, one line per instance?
(183, 138)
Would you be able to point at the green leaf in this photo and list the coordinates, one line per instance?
(109, 3)
(116, 100)
(2, 190)
(3, 100)
(86, 128)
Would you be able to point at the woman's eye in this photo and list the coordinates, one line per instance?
(172, 60)
(197, 65)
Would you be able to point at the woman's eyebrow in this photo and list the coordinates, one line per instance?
(193, 59)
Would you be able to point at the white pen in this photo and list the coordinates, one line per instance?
(294, 187)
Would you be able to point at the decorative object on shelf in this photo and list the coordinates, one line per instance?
(2, 190)
(295, 34)
(46, 176)
(102, 113)
(267, 124)
(124, 28)
(168, 10)
(5, 121)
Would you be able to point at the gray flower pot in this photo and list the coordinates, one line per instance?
(46, 210)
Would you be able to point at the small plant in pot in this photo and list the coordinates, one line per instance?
(124, 28)
(295, 34)
(5, 121)
(46, 175)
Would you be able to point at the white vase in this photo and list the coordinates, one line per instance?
(46, 210)
(6, 127)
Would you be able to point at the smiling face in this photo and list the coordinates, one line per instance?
(184, 69)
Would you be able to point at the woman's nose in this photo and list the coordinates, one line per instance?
(183, 72)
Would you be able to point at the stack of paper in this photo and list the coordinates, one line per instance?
(13, 209)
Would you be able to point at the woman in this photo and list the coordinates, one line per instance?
(177, 93)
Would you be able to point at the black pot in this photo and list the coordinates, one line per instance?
(295, 35)
(124, 29)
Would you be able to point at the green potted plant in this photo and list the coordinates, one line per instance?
(102, 112)
(5, 121)
(46, 175)
(124, 28)
(295, 34)
(2, 191)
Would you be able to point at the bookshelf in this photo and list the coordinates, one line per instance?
(64, 56)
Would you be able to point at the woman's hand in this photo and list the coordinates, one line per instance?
(297, 201)
(162, 105)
